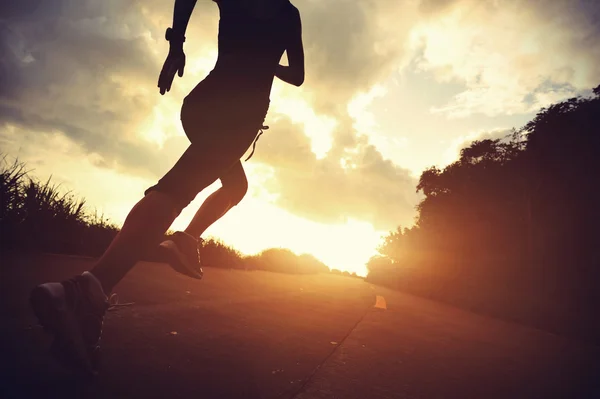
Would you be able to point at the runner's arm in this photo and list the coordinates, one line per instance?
(181, 16)
(294, 73)
(175, 62)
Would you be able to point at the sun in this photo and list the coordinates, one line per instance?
(256, 224)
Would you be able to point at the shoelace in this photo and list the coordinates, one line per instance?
(113, 303)
(260, 132)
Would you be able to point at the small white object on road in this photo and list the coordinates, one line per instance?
(380, 302)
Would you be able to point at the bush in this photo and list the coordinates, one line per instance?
(215, 253)
(285, 261)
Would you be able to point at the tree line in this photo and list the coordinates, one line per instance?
(511, 227)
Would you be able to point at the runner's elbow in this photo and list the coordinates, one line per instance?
(298, 79)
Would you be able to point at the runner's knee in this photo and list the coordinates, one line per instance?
(196, 169)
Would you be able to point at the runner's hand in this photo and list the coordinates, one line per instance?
(175, 62)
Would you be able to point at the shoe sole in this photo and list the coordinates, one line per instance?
(48, 304)
(178, 261)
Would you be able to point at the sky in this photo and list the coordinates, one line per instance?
(392, 87)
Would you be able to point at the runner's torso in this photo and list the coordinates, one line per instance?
(250, 49)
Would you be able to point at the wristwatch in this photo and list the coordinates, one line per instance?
(171, 36)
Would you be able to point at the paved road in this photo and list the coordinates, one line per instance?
(262, 335)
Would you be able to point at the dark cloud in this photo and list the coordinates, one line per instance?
(70, 67)
(350, 46)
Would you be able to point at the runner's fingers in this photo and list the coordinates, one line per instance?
(171, 75)
(167, 74)
(166, 77)
(181, 66)
(163, 77)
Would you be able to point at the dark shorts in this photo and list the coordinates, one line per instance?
(221, 126)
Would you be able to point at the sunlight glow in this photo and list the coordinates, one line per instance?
(153, 128)
(317, 127)
(255, 225)
(364, 120)
(200, 65)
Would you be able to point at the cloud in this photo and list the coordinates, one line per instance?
(351, 46)
(435, 7)
(81, 69)
(513, 56)
(88, 70)
(353, 181)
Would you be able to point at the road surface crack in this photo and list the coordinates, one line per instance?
(302, 386)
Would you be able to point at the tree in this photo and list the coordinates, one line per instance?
(520, 212)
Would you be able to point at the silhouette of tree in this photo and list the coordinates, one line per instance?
(511, 224)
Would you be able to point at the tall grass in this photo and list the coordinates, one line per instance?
(36, 216)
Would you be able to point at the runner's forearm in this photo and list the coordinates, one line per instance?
(289, 75)
(181, 15)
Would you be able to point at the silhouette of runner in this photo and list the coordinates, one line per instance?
(221, 117)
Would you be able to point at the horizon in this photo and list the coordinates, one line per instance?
(339, 166)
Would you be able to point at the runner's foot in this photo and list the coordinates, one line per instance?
(73, 311)
(182, 254)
